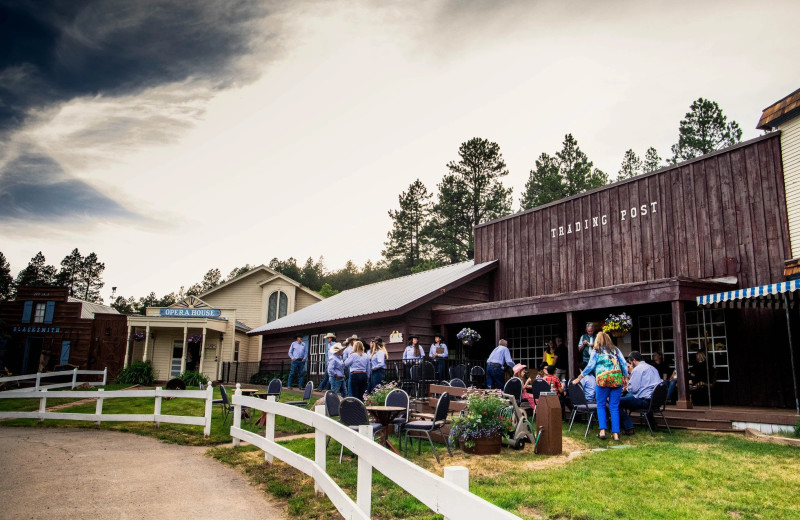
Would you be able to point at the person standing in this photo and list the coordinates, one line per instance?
(297, 353)
(412, 356)
(549, 356)
(562, 359)
(325, 384)
(438, 353)
(348, 349)
(609, 368)
(359, 364)
(336, 369)
(378, 356)
(498, 360)
(585, 344)
(644, 379)
(660, 364)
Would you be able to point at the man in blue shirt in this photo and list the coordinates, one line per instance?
(644, 379)
(298, 354)
(336, 369)
(325, 384)
(499, 358)
(438, 353)
(589, 385)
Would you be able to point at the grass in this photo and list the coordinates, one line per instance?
(684, 475)
(32, 405)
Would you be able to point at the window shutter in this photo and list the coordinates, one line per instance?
(64, 352)
(48, 312)
(26, 312)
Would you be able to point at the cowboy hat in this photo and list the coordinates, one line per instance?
(338, 347)
(518, 367)
(330, 335)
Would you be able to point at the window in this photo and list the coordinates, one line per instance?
(278, 306)
(655, 335)
(177, 356)
(527, 343)
(38, 312)
(712, 338)
(316, 349)
(236, 351)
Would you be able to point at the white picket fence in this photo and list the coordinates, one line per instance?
(448, 496)
(101, 395)
(44, 375)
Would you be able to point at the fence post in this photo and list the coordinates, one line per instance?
(43, 404)
(38, 376)
(74, 377)
(364, 483)
(269, 431)
(209, 399)
(458, 475)
(98, 409)
(237, 412)
(157, 410)
(105, 376)
(320, 451)
(236, 374)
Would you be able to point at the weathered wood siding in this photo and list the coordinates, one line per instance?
(720, 215)
(790, 145)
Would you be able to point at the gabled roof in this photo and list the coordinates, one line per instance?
(272, 275)
(381, 299)
(780, 111)
(89, 309)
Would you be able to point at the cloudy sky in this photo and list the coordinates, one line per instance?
(173, 137)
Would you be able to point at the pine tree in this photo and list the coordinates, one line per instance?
(312, 273)
(6, 280)
(236, 271)
(449, 223)
(577, 170)
(631, 165)
(407, 241)
(71, 272)
(652, 161)
(125, 305)
(91, 279)
(544, 183)
(37, 272)
(704, 129)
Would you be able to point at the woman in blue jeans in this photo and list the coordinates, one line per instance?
(605, 357)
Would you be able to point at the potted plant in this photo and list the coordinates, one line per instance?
(468, 336)
(482, 425)
(138, 336)
(379, 393)
(618, 325)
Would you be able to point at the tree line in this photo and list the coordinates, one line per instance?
(82, 275)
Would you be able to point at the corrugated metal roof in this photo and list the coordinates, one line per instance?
(380, 297)
(89, 309)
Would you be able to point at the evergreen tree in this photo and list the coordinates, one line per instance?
(236, 271)
(469, 194)
(286, 267)
(326, 291)
(631, 166)
(652, 161)
(544, 183)
(312, 273)
(577, 170)
(71, 272)
(210, 280)
(704, 129)
(37, 272)
(6, 280)
(125, 305)
(91, 279)
(407, 241)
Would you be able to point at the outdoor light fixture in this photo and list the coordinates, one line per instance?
(220, 336)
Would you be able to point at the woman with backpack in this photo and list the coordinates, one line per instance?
(610, 371)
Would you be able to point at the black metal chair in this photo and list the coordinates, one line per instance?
(457, 383)
(477, 377)
(228, 408)
(445, 383)
(580, 406)
(353, 414)
(306, 396)
(458, 372)
(658, 402)
(399, 397)
(275, 388)
(513, 387)
(411, 383)
(332, 402)
(427, 427)
(427, 378)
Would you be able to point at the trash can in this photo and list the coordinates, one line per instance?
(548, 414)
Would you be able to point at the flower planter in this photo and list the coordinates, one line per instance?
(485, 445)
(619, 333)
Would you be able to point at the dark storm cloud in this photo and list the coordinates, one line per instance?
(55, 51)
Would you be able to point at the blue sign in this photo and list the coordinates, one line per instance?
(191, 313)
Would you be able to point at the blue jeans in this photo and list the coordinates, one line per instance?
(358, 385)
(298, 371)
(672, 390)
(629, 402)
(611, 396)
(325, 384)
(495, 377)
(440, 368)
(337, 385)
(376, 378)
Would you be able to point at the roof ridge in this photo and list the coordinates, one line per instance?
(405, 276)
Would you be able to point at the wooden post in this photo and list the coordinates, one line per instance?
(146, 341)
(74, 377)
(38, 381)
(572, 347)
(202, 350)
(105, 376)
(237, 413)
(183, 354)
(499, 331)
(43, 404)
(364, 483)
(209, 400)
(458, 475)
(681, 363)
(98, 409)
(157, 410)
(127, 347)
(320, 449)
(269, 429)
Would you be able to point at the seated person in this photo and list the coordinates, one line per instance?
(643, 380)
(589, 386)
(521, 372)
(661, 365)
(548, 373)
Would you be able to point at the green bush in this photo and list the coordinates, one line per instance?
(193, 378)
(797, 428)
(137, 373)
(264, 377)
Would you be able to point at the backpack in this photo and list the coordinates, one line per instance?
(608, 373)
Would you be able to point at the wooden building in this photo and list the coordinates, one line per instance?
(44, 327)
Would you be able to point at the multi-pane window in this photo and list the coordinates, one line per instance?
(655, 335)
(317, 352)
(236, 351)
(527, 343)
(706, 331)
(278, 306)
(38, 313)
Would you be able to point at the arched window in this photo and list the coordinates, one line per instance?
(278, 306)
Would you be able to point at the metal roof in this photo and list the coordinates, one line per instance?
(89, 309)
(381, 297)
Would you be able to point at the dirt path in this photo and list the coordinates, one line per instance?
(54, 473)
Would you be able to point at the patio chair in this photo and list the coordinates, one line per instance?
(428, 377)
(513, 387)
(580, 406)
(332, 402)
(306, 396)
(457, 382)
(458, 372)
(399, 397)
(427, 427)
(275, 388)
(353, 414)
(477, 377)
(445, 383)
(658, 402)
(228, 408)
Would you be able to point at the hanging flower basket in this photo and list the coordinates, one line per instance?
(138, 336)
(618, 325)
(468, 336)
(195, 338)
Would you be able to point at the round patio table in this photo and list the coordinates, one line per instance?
(385, 415)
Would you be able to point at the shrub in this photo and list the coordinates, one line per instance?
(193, 378)
(797, 428)
(137, 373)
(264, 377)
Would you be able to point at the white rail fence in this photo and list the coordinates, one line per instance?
(44, 375)
(448, 496)
(101, 395)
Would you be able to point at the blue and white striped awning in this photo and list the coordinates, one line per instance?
(767, 296)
